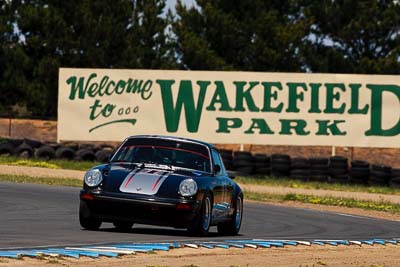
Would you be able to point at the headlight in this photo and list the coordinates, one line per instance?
(93, 178)
(188, 188)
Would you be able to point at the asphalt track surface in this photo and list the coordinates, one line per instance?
(39, 215)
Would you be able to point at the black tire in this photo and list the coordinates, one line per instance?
(226, 154)
(86, 220)
(245, 170)
(65, 153)
(24, 151)
(299, 163)
(85, 155)
(45, 152)
(280, 157)
(201, 223)
(232, 227)
(15, 142)
(33, 143)
(102, 156)
(319, 162)
(242, 155)
(123, 226)
(6, 149)
(263, 170)
(360, 164)
(73, 146)
(336, 172)
(242, 163)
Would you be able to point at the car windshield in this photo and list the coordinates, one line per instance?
(164, 152)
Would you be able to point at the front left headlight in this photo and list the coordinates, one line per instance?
(93, 177)
(188, 188)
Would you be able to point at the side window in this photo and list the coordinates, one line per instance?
(217, 161)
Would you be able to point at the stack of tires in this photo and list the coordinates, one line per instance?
(359, 172)
(262, 164)
(27, 148)
(300, 168)
(395, 180)
(319, 169)
(243, 162)
(227, 158)
(280, 165)
(380, 175)
(338, 170)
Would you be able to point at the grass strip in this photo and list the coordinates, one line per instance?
(40, 180)
(287, 182)
(51, 164)
(331, 201)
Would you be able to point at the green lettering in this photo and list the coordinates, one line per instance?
(331, 96)
(377, 91)
(298, 126)
(325, 125)
(79, 87)
(185, 99)
(242, 94)
(294, 95)
(269, 94)
(314, 98)
(355, 100)
(225, 124)
(259, 124)
(219, 97)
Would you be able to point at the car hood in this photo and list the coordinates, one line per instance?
(128, 178)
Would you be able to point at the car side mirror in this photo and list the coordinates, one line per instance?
(217, 168)
(231, 174)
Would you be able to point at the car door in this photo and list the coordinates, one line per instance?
(222, 201)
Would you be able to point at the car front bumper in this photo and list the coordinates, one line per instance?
(110, 207)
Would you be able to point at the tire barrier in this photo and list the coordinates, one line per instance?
(45, 152)
(227, 158)
(65, 153)
(319, 169)
(359, 172)
(85, 154)
(395, 179)
(334, 169)
(380, 175)
(6, 149)
(24, 151)
(262, 164)
(300, 168)
(243, 162)
(115, 250)
(280, 165)
(338, 169)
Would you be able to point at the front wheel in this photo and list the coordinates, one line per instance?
(86, 220)
(202, 222)
(232, 227)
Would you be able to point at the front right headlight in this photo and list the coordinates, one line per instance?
(93, 178)
(188, 188)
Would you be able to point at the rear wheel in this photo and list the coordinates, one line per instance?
(232, 227)
(202, 222)
(86, 220)
(123, 226)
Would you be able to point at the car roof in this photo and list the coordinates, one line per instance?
(174, 138)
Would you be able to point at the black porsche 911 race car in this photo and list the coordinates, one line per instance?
(165, 181)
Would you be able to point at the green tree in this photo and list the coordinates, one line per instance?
(241, 34)
(352, 36)
(149, 42)
(82, 33)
